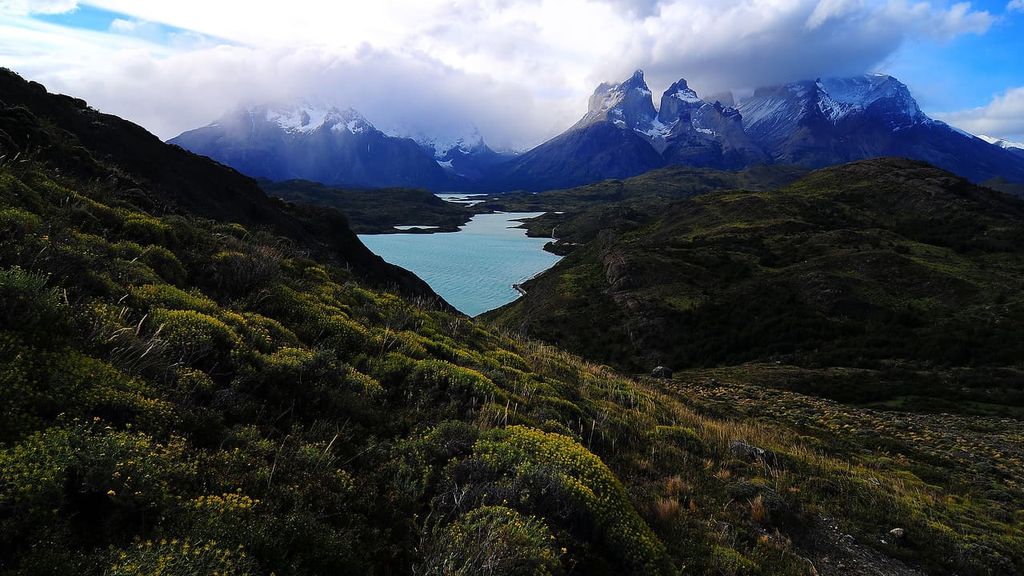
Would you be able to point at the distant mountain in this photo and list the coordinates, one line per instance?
(1013, 147)
(812, 124)
(1002, 143)
(460, 150)
(622, 135)
(834, 120)
(319, 143)
(585, 154)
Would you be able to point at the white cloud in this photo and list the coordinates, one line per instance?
(1003, 117)
(1015, 6)
(25, 7)
(521, 69)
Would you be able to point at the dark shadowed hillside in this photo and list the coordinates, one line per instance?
(379, 210)
(873, 264)
(67, 133)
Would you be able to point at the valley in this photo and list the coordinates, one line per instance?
(203, 373)
(475, 269)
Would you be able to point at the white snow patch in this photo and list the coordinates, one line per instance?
(688, 95)
(1001, 143)
(464, 139)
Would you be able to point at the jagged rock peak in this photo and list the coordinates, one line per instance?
(348, 119)
(461, 138)
(678, 102)
(839, 97)
(627, 104)
(303, 117)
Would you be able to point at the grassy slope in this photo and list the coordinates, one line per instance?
(181, 395)
(193, 395)
(576, 215)
(863, 265)
(376, 211)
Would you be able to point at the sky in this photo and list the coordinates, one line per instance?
(519, 70)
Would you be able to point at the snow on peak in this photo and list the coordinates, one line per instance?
(840, 97)
(296, 118)
(1007, 144)
(464, 139)
(349, 120)
(304, 117)
(684, 93)
(627, 104)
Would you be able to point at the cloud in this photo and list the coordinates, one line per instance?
(1003, 117)
(1015, 6)
(520, 69)
(25, 7)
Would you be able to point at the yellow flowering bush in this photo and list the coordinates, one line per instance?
(194, 336)
(493, 540)
(181, 558)
(145, 229)
(169, 297)
(586, 480)
(442, 375)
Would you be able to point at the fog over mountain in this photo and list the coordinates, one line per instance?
(515, 69)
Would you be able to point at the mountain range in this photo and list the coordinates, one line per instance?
(812, 124)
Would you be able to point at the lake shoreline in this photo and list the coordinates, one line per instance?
(475, 269)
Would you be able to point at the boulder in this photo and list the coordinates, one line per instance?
(662, 372)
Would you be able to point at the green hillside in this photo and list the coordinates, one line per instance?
(376, 211)
(181, 394)
(893, 267)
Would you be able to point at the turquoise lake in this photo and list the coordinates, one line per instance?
(473, 269)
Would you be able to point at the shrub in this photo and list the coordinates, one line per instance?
(239, 273)
(195, 337)
(681, 437)
(586, 481)
(145, 229)
(16, 223)
(492, 540)
(510, 359)
(111, 481)
(28, 305)
(342, 334)
(166, 264)
(363, 384)
(438, 375)
(167, 296)
(181, 558)
(222, 517)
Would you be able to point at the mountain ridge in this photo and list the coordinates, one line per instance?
(813, 124)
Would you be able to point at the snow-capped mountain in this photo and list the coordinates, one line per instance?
(775, 115)
(811, 123)
(316, 142)
(623, 134)
(685, 129)
(835, 120)
(459, 149)
(625, 105)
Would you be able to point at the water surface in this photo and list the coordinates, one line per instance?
(473, 269)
